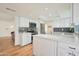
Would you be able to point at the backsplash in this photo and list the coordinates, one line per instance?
(66, 29)
(23, 29)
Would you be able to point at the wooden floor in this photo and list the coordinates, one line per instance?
(17, 50)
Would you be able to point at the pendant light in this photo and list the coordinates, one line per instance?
(72, 22)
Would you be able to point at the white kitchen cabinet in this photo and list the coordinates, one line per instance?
(65, 22)
(64, 52)
(65, 49)
(24, 22)
(76, 13)
(44, 47)
(17, 38)
(36, 46)
(25, 38)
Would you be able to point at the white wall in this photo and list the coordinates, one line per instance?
(5, 28)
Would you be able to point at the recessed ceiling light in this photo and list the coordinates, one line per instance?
(11, 26)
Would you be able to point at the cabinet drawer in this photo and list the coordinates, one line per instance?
(64, 52)
(77, 51)
(67, 46)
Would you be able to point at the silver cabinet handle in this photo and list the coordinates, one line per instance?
(72, 48)
(72, 54)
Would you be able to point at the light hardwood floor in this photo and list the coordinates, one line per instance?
(10, 50)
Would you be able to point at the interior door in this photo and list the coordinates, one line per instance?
(42, 28)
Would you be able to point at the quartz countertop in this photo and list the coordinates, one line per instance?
(62, 37)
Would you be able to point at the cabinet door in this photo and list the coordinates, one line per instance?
(24, 22)
(53, 48)
(65, 49)
(25, 39)
(46, 47)
(62, 52)
(35, 46)
(65, 52)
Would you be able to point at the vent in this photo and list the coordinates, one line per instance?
(12, 10)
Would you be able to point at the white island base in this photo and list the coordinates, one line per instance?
(52, 45)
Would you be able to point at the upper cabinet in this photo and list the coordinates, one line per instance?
(64, 18)
(24, 22)
(65, 22)
(69, 18)
(76, 13)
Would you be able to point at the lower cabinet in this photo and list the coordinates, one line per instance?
(64, 52)
(48, 47)
(65, 49)
(35, 46)
(44, 47)
(25, 39)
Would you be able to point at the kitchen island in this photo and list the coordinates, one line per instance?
(57, 44)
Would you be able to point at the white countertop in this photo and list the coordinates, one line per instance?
(62, 37)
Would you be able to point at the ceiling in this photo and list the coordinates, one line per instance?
(39, 11)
